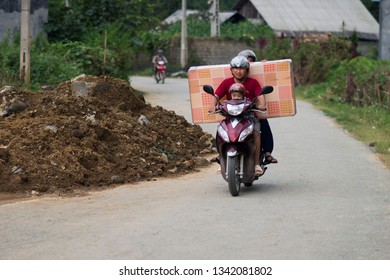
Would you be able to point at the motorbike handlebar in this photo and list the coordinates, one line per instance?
(260, 111)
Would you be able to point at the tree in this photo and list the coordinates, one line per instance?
(72, 23)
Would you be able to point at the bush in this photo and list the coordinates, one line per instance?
(245, 31)
(313, 60)
(362, 81)
(50, 65)
(53, 63)
(9, 62)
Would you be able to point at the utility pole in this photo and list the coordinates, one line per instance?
(384, 30)
(184, 47)
(215, 21)
(25, 42)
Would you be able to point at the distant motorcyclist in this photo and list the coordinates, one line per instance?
(156, 59)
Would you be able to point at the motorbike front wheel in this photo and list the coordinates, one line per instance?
(232, 173)
(160, 76)
(157, 77)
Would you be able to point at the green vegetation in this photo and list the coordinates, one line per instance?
(313, 58)
(362, 81)
(70, 49)
(200, 27)
(9, 62)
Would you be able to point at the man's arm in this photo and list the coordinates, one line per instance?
(213, 104)
(261, 103)
(219, 93)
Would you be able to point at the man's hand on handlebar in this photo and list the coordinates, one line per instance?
(212, 109)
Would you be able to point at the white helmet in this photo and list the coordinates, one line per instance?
(239, 61)
(248, 53)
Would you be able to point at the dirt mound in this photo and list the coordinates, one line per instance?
(90, 133)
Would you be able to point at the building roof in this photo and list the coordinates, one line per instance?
(176, 16)
(294, 17)
(223, 16)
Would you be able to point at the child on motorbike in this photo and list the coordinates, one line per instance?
(239, 67)
(237, 91)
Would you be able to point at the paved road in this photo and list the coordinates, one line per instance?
(328, 198)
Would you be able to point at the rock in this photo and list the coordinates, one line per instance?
(47, 87)
(15, 107)
(188, 163)
(164, 158)
(143, 120)
(205, 141)
(90, 118)
(52, 128)
(6, 89)
(5, 113)
(116, 179)
(201, 161)
(79, 77)
(173, 170)
(81, 87)
(16, 170)
(34, 192)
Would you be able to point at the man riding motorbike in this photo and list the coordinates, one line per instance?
(239, 67)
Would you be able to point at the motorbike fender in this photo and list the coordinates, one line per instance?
(233, 150)
(235, 127)
(229, 150)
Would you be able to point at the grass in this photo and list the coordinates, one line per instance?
(368, 124)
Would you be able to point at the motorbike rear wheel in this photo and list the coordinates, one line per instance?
(233, 177)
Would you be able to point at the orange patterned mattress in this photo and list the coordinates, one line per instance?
(277, 73)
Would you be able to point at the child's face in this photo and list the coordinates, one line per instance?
(237, 95)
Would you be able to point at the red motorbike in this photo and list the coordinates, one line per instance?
(161, 68)
(235, 141)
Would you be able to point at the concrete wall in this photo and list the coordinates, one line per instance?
(10, 16)
(202, 51)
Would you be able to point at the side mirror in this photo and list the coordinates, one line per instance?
(209, 89)
(267, 89)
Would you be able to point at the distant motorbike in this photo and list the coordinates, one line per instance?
(235, 141)
(161, 68)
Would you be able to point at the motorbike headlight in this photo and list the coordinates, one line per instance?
(245, 133)
(234, 109)
(222, 132)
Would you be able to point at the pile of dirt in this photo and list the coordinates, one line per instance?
(91, 133)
